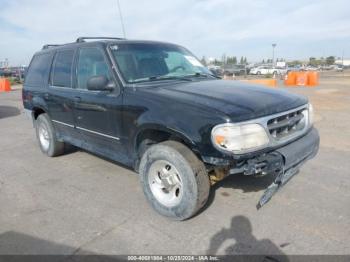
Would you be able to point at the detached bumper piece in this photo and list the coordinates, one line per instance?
(294, 156)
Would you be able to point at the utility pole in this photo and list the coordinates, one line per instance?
(121, 18)
(342, 61)
(273, 53)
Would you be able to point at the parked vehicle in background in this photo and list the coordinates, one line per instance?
(311, 68)
(155, 108)
(17, 72)
(293, 69)
(339, 68)
(5, 72)
(327, 67)
(265, 70)
(234, 70)
(282, 70)
(216, 70)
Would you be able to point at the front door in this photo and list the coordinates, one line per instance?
(98, 114)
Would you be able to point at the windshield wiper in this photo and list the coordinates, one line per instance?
(200, 75)
(159, 78)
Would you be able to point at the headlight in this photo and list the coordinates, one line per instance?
(311, 114)
(239, 138)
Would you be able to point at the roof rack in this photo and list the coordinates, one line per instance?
(82, 39)
(49, 46)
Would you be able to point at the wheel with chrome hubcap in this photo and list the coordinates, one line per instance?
(174, 180)
(46, 136)
(165, 183)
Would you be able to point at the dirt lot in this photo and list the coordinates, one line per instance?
(79, 203)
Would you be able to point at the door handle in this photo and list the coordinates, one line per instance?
(77, 99)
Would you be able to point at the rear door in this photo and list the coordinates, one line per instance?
(98, 114)
(60, 96)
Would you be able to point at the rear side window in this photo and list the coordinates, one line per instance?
(62, 68)
(38, 70)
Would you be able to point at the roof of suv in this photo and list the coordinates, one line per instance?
(103, 42)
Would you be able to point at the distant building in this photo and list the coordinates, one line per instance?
(345, 62)
(281, 64)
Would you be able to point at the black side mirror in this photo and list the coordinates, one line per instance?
(100, 83)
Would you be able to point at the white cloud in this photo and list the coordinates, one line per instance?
(208, 27)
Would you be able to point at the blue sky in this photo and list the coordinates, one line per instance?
(301, 28)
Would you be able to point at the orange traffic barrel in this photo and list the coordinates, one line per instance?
(265, 82)
(5, 85)
(301, 79)
(313, 78)
(290, 78)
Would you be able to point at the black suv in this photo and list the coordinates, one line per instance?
(154, 107)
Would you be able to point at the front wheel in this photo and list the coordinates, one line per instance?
(174, 180)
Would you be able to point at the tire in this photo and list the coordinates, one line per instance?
(190, 181)
(46, 136)
(258, 73)
(274, 73)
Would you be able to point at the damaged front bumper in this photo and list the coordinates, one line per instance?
(283, 163)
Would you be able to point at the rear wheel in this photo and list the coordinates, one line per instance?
(258, 73)
(46, 136)
(174, 180)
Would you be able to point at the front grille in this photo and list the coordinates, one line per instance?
(288, 124)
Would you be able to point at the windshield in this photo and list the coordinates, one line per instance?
(143, 62)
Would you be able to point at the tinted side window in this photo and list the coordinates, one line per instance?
(38, 70)
(91, 63)
(62, 69)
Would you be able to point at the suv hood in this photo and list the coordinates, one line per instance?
(239, 100)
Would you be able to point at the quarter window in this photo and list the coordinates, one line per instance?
(62, 70)
(91, 63)
(38, 70)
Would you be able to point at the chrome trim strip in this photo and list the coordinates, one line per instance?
(65, 124)
(97, 133)
(74, 89)
(87, 130)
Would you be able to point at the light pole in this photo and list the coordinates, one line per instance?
(273, 53)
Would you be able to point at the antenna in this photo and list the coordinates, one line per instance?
(121, 18)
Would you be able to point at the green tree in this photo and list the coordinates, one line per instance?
(245, 61)
(234, 60)
(312, 61)
(204, 61)
(330, 60)
(295, 63)
(242, 60)
(231, 60)
(224, 59)
(217, 62)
